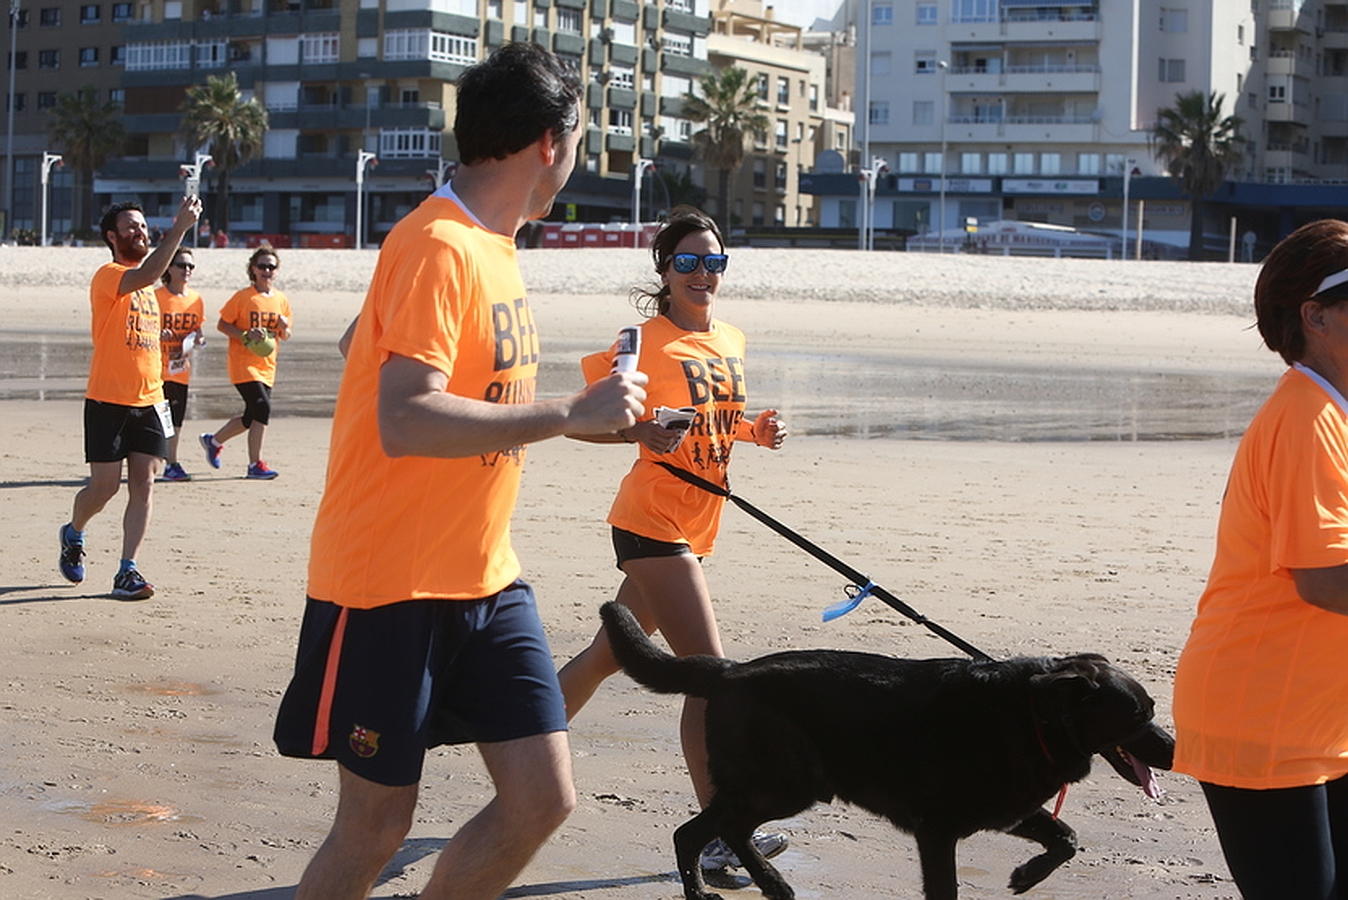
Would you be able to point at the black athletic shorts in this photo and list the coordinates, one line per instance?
(176, 395)
(113, 432)
(376, 688)
(256, 401)
(629, 545)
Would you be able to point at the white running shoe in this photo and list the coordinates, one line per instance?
(717, 855)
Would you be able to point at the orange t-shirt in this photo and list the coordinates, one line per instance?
(704, 370)
(126, 365)
(446, 291)
(1261, 692)
(181, 314)
(250, 309)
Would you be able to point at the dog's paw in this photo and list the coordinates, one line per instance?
(1031, 873)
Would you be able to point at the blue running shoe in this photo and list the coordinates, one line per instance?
(260, 471)
(212, 450)
(174, 472)
(72, 557)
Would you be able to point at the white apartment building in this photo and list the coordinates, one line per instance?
(792, 87)
(1035, 109)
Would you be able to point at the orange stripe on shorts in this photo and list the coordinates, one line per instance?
(323, 720)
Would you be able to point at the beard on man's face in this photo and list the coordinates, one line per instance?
(132, 247)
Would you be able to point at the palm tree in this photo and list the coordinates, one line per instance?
(216, 116)
(1198, 146)
(730, 108)
(88, 132)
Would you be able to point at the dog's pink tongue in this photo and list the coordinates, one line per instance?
(1144, 776)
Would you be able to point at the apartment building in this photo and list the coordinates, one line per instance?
(340, 76)
(1035, 109)
(58, 48)
(792, 87)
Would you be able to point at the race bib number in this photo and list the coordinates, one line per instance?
(179, 366)
(165, 419)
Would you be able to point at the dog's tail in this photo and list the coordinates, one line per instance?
(647, 664)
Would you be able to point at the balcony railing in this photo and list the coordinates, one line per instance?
(1043, 15)
(1026, 15)
(994, 119)
(1300, 148)
(1043, 69)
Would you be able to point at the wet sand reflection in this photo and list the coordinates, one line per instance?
(821, 393)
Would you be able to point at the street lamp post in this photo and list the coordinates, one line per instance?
(878, 168)
(1127, 177)
(48, 160)
(798, 141)
(638, 169)
(9, 133)
(362, 157)
(191, 175)
(443, 171)
(867, 178)
(942, 65)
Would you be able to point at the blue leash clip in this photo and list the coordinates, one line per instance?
(855, 595)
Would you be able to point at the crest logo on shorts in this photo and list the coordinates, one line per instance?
(364, 742)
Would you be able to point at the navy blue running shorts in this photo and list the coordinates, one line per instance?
(629, 545)
(113, 432)
(376, 688)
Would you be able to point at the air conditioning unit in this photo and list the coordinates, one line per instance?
(606, 35)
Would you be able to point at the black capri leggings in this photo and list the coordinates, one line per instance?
(256, 402)
(176, 395)
(1286, 843)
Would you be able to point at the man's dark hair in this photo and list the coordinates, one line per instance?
(511, 99)
(109, 221)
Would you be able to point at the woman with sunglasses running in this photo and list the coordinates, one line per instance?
(180, 313)
(663, 525)
(254, 320)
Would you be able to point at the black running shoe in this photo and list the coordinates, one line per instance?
(131, 585)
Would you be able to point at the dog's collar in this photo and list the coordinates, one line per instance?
(1039, 734)
(1048, 755)
(1043, 746)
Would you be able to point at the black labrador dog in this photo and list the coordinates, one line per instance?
(941, 747)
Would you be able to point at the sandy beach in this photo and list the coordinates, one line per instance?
(136, 757)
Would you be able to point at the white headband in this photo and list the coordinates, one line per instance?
(1332, 281)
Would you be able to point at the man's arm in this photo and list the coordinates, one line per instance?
(418, 418)
(344, 342)
(154, 265)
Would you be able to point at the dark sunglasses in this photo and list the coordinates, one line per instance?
(188, 266)
(714, 263)
(266, 267)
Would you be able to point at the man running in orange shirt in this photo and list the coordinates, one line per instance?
(125, 415)
(418, 631)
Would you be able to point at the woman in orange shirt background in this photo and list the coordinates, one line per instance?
(1261, 691)
(181, 311)
(259, 311)
(662, 526)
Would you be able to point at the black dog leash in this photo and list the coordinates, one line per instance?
(861, 585)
